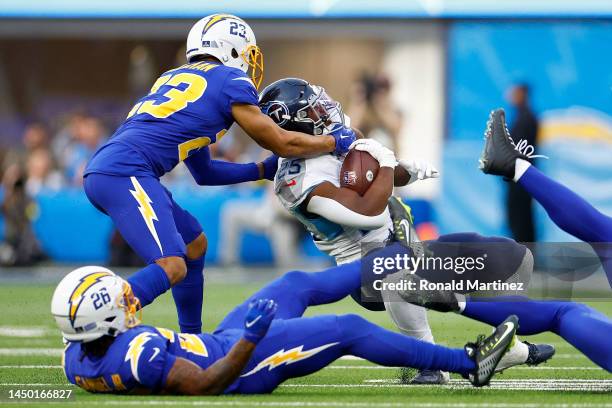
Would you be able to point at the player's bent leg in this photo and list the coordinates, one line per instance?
(143, 213)
(296, 290)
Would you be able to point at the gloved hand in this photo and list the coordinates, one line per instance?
(270, 165)
(384, 156)
(344, 137)
(419, 169)
(258, 319)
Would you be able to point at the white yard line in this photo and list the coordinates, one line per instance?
(23, 331)
(53, 352)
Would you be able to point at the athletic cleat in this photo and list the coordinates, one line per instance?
(488, 352)
(539, 353)
(434, 299)
(430, 377)
(403, 226)
(499, 154)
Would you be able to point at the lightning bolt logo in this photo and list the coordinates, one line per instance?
(146, 210)
(76, 298)
(287, 357)
(135, 349)
(214, 20)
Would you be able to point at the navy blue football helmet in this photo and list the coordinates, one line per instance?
(294, 104)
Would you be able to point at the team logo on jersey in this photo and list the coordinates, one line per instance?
(76, 298)
(287, 357)
(278, 111)
(134, 351)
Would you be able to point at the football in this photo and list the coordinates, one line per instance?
(358, 171)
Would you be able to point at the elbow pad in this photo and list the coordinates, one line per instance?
(336, 212)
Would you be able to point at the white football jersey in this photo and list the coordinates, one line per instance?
(295, 179)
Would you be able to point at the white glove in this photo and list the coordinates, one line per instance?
(384, 156)
(419, 169)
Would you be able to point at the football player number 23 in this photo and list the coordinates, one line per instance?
(184, 89)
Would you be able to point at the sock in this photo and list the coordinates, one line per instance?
(581, 326)
(388, 348)
(188, 296)
(148, 283)
(520, 167)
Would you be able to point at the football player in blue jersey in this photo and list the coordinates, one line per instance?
(189, 108)
(260, 344)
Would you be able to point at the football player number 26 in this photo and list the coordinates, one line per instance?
(184, 89)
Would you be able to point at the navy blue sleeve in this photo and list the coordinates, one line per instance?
(207, 172)
(238, 89)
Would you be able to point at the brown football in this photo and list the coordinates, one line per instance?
(358, 171)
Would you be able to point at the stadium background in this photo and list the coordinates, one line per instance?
(448, 65)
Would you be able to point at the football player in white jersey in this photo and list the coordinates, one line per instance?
(343, 224)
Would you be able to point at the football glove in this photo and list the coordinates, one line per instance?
(419, 170)
(384, 156)
(344, 136)
(270, 165)
(258, 319)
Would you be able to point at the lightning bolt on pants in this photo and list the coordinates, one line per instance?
(301, 346)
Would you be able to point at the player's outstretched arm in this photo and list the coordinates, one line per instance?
(208, 172)
(270, 136)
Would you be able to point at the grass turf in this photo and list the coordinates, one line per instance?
(347, 383)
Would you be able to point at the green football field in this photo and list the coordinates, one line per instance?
(30, 349)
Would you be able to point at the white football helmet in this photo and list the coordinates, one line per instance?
(229, 39)
(91, 302)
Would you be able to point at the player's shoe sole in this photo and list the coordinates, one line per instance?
(499, 154)
(430, 377)
(487, 352)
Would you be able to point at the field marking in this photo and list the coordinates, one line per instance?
(30, 366)
(522, 367)
(519, 384)
(24, 331)
(53, 352)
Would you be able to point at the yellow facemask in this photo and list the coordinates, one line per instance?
(254, 58)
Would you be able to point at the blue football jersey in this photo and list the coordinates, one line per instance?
(187, 109)
(138, 360)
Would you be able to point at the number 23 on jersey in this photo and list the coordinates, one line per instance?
(184, 89)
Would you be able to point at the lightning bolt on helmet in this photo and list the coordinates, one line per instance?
(294, 104)
(229, 39)
(91, 302)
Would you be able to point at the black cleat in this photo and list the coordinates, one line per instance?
(434, 299)
(487, 352)
(539, 353)
(500, 153)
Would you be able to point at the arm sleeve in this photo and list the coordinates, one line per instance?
(208, 172)
(149, 360)
(339, 214)
(238, 89)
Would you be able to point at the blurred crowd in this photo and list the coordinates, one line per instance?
(50, 157)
